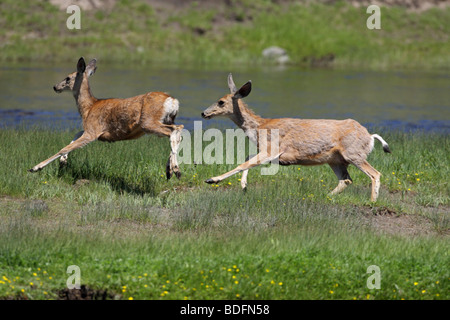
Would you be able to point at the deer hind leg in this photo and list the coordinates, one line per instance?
(343, 176)
(80, 142)
(374, 175)
(175, 140)
(174, 134)
(63, 159)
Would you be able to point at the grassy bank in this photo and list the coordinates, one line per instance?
(213, 35)
(112, 213)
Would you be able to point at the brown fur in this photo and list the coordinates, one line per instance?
(118, 119)
(304, 142)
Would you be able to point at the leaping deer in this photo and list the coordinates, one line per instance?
(306, 142)
(118, 119)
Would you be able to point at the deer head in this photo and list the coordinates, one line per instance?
(68, 83)
(226, 106)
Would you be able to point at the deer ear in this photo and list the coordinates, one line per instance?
(231, 84)
(81, 65)
(244, 90)
(91, 67)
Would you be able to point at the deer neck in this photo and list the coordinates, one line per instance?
(245, 118)
(83, 96)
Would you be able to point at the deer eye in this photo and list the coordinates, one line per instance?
(221, 103)
(67, 79)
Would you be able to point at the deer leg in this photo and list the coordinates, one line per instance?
(374, 175)
(340, 170)
(257, 160)
(174, 134)
(244, 175)
(80, 142)
(63, 159)
(175, 139)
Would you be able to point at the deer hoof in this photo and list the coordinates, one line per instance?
(210, 181)
(169, 171)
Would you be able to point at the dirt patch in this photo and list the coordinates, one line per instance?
(403, 225)
(86, 293)
(384, 211)
(415, 5)
(85, 4)
(389, 221)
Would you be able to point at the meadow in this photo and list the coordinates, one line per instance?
(136, 235)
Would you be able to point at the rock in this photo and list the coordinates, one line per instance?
(283, 59)
(276, 54)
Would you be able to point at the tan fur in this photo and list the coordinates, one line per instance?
(304, 142)
(118, 119)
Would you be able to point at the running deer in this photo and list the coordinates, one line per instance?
(305, 142)
(118, 119)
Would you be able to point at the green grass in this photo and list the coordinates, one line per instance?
(133, 32)
(112, 213)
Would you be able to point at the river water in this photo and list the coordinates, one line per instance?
(394, 100)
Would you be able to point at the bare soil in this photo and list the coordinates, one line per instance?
(413, 5)
(86, 293)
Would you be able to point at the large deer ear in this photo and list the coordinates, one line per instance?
(81, 65)
(244, 90)
(231, 84)
(91, 67)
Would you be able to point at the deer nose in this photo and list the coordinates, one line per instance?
(54, 88)
(203, 114)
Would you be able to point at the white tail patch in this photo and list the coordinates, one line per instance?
(171, 106)
(384, 143)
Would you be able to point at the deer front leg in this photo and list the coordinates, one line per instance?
(244, 175)
(260, 158)
(80, 142)
(63, 159)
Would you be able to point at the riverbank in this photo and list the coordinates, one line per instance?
(199, 33)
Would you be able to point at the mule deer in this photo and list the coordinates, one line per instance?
(119, 119)
(306, 142)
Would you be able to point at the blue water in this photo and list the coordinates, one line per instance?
(406, 101)
(70, 120)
